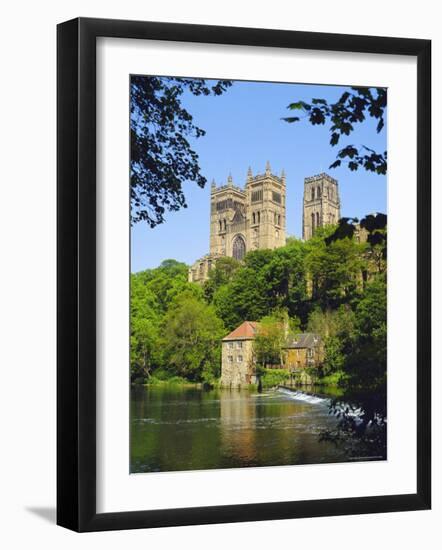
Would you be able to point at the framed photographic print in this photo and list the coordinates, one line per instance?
(234, 341)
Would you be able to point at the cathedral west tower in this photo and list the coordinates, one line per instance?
(248, 219)
(244, 219)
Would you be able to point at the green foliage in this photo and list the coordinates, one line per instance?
(365, 377)
(161, 155)
(152, 293)
(269, 280)
(336, 271)
(274, 377)
(220, 275)
(352, 108)
(191, 338)
(156, 380)
(334, 359)
(269, 340)
(243, 298)
(337, 330)
(371, 316)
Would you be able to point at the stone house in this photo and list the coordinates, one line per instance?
(238, 363)
(302, 351)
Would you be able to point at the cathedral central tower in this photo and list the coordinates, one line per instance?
(322, 205)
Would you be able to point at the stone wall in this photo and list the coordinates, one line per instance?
(199, 271)
(237, 363)
(301, 358)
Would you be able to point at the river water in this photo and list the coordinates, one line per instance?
(182, 428)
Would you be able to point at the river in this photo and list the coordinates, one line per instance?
(181, 428)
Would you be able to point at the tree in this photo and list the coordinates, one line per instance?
(352, 108)
(268, 280)
(192, 335)
(335, 270)
(143, 347)
(242, 298)
(371, 324)
(167, 281)
(337, 330)
(221, 274)
(375, 227)
(284, 279)
(144, 321)
(334, 357)
(365, 383)
(269, 340)
(161, 155)
(152, 292)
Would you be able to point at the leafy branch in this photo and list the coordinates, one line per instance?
(162, 158)
(351, 109)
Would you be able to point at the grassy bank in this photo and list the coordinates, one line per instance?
(172, 381)
(269, 379)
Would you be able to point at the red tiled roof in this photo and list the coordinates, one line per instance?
(246, 331)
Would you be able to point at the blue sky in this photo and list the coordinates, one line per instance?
(244, 128)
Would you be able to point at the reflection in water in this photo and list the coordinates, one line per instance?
(191, 429)
(237, 426)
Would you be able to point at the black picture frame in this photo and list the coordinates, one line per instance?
(76, 274)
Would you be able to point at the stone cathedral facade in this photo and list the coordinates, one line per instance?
(254, 216)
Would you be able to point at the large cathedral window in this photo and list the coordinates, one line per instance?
(239, 248)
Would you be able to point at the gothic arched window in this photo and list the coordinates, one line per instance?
(317, 219)
(239, 248)
(259, 217)
(220, 225)
(225, 225)
(318, 192)
(254, 217)
(313, 193)
(313, 223)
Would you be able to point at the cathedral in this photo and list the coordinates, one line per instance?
(254, 216)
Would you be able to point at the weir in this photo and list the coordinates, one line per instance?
(355, 413)
(303, 396)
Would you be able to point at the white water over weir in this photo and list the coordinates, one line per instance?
(302, 396)
(298, 395)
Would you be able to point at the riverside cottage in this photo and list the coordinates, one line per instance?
(238, 363)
